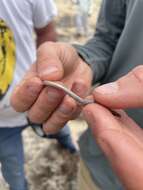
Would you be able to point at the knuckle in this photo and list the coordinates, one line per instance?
(67, 108)
(33, 86)
(81, 88)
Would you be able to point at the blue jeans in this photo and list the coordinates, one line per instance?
(12, 158)
(12, 155)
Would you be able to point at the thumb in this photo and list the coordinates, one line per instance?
(56, 60)
(49, 66)
(124, 93)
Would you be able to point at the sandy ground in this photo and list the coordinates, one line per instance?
(48, 166)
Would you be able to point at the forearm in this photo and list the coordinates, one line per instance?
(48, 33)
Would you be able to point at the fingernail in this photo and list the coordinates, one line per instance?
(49, 70)
(109, 88)
(68, 107)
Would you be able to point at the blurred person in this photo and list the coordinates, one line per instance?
(114, 50)
(83, 11)
(19, 21)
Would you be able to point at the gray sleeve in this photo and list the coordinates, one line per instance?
(98, 51)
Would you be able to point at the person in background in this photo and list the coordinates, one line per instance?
(115, 49)
(83, 11)
(20, 22)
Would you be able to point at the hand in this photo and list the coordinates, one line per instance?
(47, 105)
(122, 142)
(121, 139)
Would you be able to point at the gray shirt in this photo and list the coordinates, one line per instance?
(115, 49)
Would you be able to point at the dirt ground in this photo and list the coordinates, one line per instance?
(48, 166)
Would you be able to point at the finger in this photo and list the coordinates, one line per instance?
(49, 100)
(61, 116)
(55, 60)
(26, 93)
(124, 93)
(81, 86)
(131, 126)
(123, 151)
(46, 103)
(103, 124)
(100, 119)
(82, 80)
